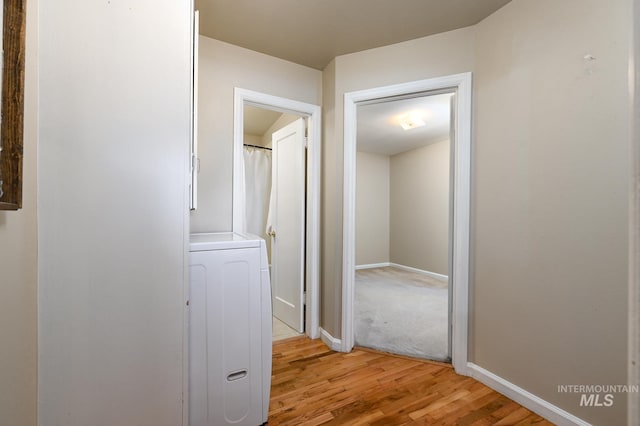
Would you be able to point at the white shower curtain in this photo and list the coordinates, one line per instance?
(257, 183)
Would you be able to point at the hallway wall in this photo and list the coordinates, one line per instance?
(550, 209)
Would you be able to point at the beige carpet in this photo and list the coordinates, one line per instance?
(402, 312)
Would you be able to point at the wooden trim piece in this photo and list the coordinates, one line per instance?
(11, 132)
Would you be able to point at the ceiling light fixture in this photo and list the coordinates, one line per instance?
(411, 121)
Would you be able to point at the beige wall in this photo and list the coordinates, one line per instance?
(223, 67)
(402, 208)
(550, 198)
(331, 207)
(420, 208)
(434, 56)
(19, 266)
(253, 139)
(282, 121)
(372, 208)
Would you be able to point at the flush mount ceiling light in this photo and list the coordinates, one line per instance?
(411, 120)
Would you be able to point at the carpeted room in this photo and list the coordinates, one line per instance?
(402, 226)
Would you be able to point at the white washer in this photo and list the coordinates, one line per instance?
(229, 330)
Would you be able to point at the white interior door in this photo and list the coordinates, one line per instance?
(288, 224)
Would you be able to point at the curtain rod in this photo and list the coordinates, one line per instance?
(256, 146)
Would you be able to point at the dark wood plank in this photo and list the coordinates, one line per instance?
(12, 104)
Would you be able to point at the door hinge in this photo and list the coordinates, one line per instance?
(304, 297)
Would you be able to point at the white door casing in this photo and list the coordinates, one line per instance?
(453, 120)
(459, 279)
(312, 250)
(286, 227)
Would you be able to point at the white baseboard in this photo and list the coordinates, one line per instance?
(526, 399)
(406, 268)
(419, 271)
(373, 265)
(333, 343)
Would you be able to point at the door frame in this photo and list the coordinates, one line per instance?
(313, 114)
(461, 190)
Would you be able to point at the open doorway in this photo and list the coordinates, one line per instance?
(401, 301)
(276, 151)
(274, 174)
(460, 85)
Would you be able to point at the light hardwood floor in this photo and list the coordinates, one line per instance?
(312, 385)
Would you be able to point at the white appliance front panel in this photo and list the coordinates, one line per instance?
(225, 338)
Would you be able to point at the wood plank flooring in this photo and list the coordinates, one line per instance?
(312, 385)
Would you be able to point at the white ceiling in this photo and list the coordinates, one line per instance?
(313, 32)
(379, 129)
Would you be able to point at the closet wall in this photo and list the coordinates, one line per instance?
(113, 164)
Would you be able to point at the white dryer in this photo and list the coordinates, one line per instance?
(229, 330)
